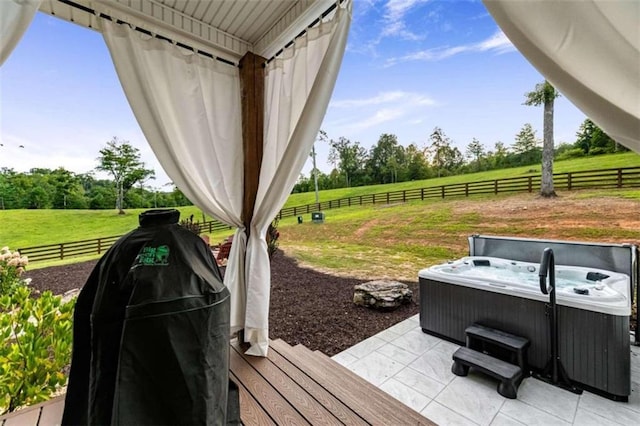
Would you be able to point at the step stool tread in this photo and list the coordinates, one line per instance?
(498, 337)
(487, 364)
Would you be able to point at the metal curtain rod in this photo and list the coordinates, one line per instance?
(303, 32)
(149, 33)
(193, 49)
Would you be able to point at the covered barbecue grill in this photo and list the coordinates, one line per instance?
(151, 332)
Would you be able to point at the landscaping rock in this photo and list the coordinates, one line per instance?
(381, 294)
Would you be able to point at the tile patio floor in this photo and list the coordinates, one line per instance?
(415, 368)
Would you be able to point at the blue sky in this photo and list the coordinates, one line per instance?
(410, 65)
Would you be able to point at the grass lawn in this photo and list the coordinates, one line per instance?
(361, 235)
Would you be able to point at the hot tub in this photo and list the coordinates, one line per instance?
(594, 306)
(588, 289)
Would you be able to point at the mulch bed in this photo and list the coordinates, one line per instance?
(307, 307)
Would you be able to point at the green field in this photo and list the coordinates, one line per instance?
(24, 228)
(627, 159)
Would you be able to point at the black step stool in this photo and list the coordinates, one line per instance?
(481, 339)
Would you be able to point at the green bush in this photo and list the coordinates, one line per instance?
(36, 349)
(11, 268)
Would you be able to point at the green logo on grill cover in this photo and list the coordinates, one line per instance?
(152, 256)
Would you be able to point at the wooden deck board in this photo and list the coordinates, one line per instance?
(270, 400)
(250, 411)
(292, 386)
(51, 413)
(320, 394)
(291, 391)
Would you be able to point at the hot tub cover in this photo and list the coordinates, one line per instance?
(151, 332)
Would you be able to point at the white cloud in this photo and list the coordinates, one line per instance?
(356, 115)
(498, 43)
(394, 25)
(414, 99)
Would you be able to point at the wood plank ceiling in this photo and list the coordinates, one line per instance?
(225, 28)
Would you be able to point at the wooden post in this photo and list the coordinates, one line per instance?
(619, 178)
(252, 96)
(569, 181)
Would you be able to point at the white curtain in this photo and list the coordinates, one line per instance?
(188, 107)
(298, 88)
(589, 50)
(15, 17)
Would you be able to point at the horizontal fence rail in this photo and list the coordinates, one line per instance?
(628, 177)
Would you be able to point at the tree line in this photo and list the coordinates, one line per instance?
(388, 161)
(42, 188)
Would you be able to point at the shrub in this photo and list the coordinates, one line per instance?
(272, 238)
(36, 349)
(191, 225)
(11, 269)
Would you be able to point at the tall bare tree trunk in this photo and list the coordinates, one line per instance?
(546, 183)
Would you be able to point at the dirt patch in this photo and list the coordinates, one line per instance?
(364, 228)
(308, 307)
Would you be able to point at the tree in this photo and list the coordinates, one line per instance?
(122, 161)
(444, 157)
(348, 157)
(545, 94)
(385, 159)
(593, 140)
(475, 151)
(526, 145)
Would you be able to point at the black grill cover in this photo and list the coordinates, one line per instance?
(151, 333)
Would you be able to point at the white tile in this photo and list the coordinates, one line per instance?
(529, 415)
(551, 399)
(375, 368)
(365, 347)
(611, 410)
(419, 382)
(473, 396)
(387, 335)
(344, 358)
(446, 347)
(443, 416)
(415, 318)
(502, 420)
(416, 342)
(397, 354)
(587, 418)
(404, 326)
(435, 364)
(634, 398)
(405, 394)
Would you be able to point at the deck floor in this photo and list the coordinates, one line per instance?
(292, 386)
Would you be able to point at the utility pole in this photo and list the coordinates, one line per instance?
(315, 171)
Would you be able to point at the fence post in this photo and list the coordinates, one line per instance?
(495, 186)
(569, 182)
(61, 251)
(422, 194)
(466, 189)
(404, 196)
(442, 190)
(387, 198)
(530, 183)
(619, 178)
(374, 198)
(361, 200)
(349, 199)
(99, 245)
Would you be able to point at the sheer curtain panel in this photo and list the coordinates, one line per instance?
(298, 88)
(15, 17)
(589, 50)
(188, 107)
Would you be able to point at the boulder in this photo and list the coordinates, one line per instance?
(381, 294)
